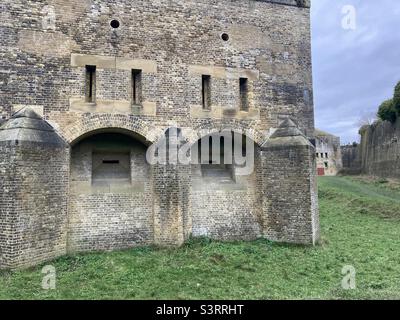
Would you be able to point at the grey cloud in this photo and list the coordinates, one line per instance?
(354, 71)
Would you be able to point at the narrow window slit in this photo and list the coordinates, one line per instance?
(244, 101)
(90, 84)
(136, 87)
(206, 92)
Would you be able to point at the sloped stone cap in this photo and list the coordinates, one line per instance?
(321, 133)
(26, 125)
(26, 113)
(288, 134)
(287, 129)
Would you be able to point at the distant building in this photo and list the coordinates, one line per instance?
(328, 153)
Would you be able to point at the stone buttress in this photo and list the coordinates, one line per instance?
(289, 187)
(34, 167)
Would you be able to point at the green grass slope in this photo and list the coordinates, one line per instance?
(360, 223)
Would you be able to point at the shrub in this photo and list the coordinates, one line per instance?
(387, 111)
(396, 98)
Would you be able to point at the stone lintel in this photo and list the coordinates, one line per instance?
(224, 73)
(110, 62)
(219, 112)
(78, 104)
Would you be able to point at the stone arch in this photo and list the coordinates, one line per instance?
(215, 126)
(90, 124)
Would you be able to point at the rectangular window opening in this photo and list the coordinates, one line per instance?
(244, 88)
(111, 167)
(206, 92)
(90, 84)
(111, 161)
(137, 87)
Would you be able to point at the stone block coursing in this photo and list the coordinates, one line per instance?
(378, 153)
(51, 201)
(289, 182)
(34, 170)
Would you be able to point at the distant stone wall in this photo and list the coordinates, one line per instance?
(379, 150)
(350, 159)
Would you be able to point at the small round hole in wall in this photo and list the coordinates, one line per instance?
(114, 24)
(225, 37)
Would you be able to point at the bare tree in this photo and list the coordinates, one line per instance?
(366, 118)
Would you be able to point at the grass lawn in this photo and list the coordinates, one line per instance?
(360, 226)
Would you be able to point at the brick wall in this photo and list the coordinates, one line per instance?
(109, 213)
(289, 187)
(268, 39)
(45, 47)
(224, 209)
(33, 211)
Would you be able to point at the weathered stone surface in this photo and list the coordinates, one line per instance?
(45, 48)
(27, 126)
(34, 169)
(378, 153)
(351, 159)
(289, 187)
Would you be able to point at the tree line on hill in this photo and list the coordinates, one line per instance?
(389, 110)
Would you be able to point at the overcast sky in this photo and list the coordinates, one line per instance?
(354, 70)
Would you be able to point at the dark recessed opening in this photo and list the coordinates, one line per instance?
(243, 85)
(114, 24)
(90, 84)
(206, 92)
(111, 161)
(225, 36)
(137, 87)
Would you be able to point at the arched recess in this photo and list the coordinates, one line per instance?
(110, 198)
(225, 198)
